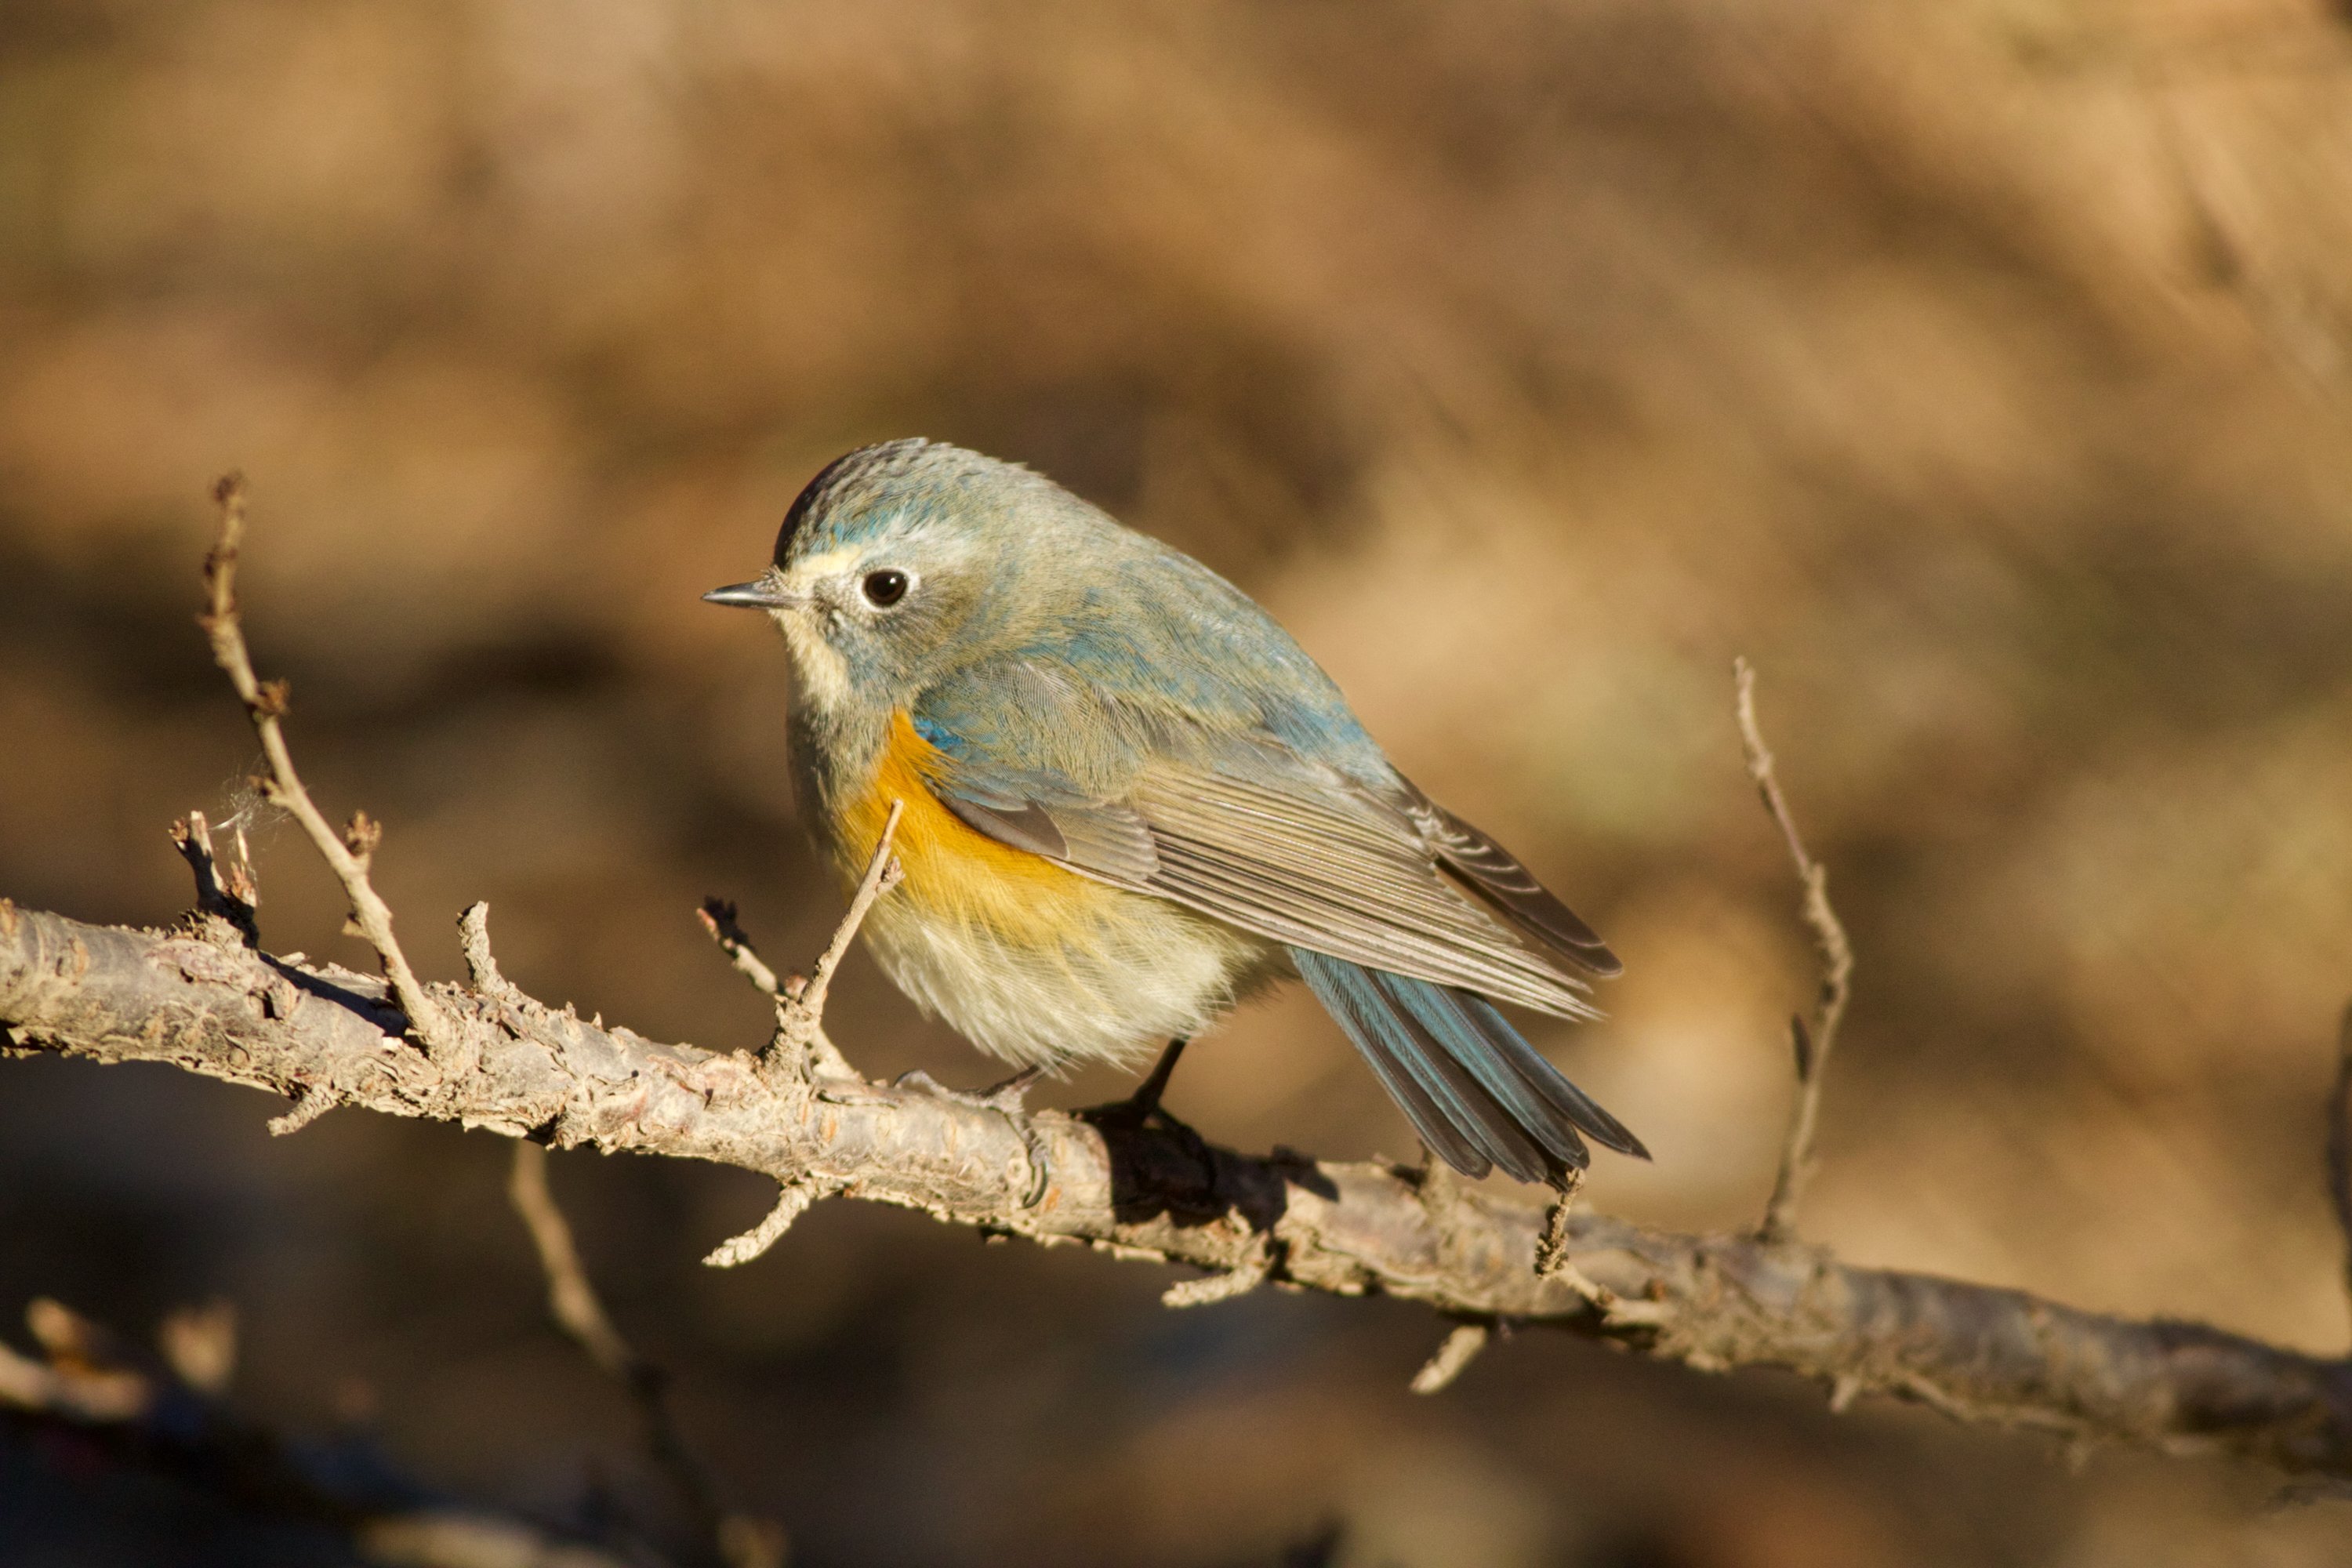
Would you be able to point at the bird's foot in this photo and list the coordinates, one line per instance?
(1142, 1109)
(1006, 1097)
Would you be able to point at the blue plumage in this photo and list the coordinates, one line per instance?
(1468, 1079)
(1083, 694)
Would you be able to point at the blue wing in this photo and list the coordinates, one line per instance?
(1223, 815)
(1216, 810)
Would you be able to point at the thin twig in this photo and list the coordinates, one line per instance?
(226, 892)
(883, 873)
(793, 1199)
(474, 941)
(579, 1312)
(572, 1300)
(1811, 1047)
(1553, 1250)
(2339, 1142)
(1458, 1350)
(168, 1415)
(349, 852)
(800, 1013)
(718, 917)
(308, 1106)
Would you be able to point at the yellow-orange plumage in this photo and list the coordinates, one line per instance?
(1031, 961)
(952, 869)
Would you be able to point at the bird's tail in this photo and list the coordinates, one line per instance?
(1476, 1092)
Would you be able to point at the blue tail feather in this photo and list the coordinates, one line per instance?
(1348, 994)
(1479, 1095)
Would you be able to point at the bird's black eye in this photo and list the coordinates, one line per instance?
(884, 589)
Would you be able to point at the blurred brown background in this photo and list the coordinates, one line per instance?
(1980, 370)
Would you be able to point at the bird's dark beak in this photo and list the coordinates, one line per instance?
(760, 594)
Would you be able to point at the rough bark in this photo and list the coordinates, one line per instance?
(200, 1000)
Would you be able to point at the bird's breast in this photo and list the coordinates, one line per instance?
(1032, 961)
(952, 870)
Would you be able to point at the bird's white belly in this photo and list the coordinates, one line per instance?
(1116, 980)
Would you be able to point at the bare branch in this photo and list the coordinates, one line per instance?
(111, 994)
(579, 1312)
(348, 852)
(310, 1104)
(1134, 1190)
(800, 1010)
(474, 941)
(165, 1416)
(1458, 1350)
(2339, 1142)
(793, 1199)
(1812, 1047)
(718, 917)
(572, 1300)
(229, 894)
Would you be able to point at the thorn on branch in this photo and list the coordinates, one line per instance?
(349, 855)
(1454, 1353)
(230, 895)
(1246, 1276)
(793, 1199)
(474, 941)
(1811, 1045)
(310, 1104)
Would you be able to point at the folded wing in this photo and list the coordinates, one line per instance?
(1300, 855)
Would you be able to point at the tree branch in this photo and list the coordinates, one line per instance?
(1811, 1047)
(207, 999)
(2339, 1142)
(724, 1537)
(165, 1416)
(115, 995)
(348, 852)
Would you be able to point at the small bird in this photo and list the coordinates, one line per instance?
(1128, 799)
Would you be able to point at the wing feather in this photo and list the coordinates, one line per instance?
(1249, 831)
(1496, 873)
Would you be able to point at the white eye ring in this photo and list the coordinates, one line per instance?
(884, 586)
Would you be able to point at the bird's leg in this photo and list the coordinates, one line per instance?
(1006, 1096)
(1142, 1107)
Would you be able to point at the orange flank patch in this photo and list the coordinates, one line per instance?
(952, 869)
